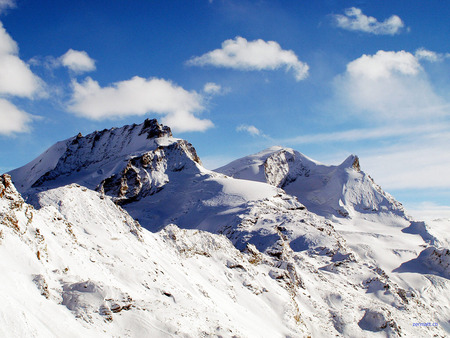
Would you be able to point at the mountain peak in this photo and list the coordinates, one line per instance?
(87, 160)
(351, 162)
(153, 129)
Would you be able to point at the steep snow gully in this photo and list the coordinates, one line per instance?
(123, 232)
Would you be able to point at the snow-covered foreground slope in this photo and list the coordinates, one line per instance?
(355, 266)
(81, 266)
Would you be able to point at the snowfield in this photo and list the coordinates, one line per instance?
(124, 233)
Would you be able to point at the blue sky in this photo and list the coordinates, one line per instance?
(327, 78)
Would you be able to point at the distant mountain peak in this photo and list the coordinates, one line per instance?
(324, 189)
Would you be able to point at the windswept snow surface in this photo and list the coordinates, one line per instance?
(274, 244)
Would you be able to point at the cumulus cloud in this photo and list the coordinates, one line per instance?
(355, 20)
(252, 55)
(13, 120)
(252, 130)
(77, 61)
(16, 78)
(389, 85)
(139, 96)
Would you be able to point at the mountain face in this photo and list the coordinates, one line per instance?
(274, 244)
(122, 161)
(327, 190)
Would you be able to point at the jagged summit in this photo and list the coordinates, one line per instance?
(324, 189)
(103, 156)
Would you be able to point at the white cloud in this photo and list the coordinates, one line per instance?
(13, 120)
(212, 88)
(388, 85)
(182, 120)
(5, 4)
(355, 20)
(77, 61)
(252, 55)
(428, 55)
(252, 130)
(16, 78)
(384, 64)
(431, 56)
(139, 96)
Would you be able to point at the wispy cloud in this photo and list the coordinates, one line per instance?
(139, 96)
(77, 61)
(212, 88)
(5, 4)
(252, 130)
(429, 55)
(241, 54)
(421, 163)
(355, 20)
(362, 134)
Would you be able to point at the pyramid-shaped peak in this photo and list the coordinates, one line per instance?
(351, 162)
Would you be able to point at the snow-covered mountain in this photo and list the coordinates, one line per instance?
(274, 244)
(327, 190)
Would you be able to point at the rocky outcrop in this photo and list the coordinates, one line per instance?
(148, 173)
(283, 167)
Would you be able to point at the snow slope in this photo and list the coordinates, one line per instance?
(82, 261)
